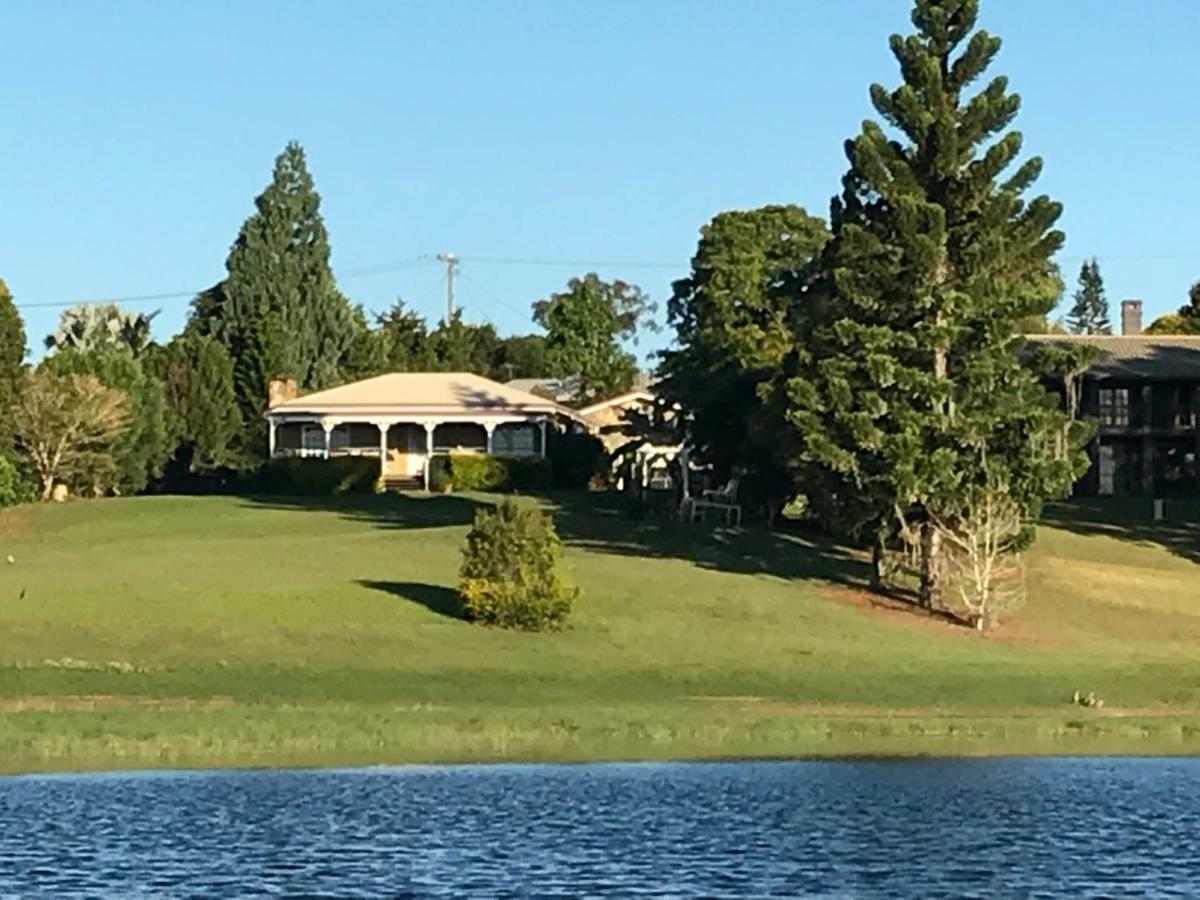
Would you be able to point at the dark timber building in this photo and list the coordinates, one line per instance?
(1143, 391)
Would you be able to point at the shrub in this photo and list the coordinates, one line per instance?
(511, 574)
(439, 473)
(575, 459)
(14, 488)
(304, 477)
(477, 472)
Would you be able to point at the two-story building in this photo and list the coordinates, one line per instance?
(1143, 391)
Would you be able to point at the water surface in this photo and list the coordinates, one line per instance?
(1008, 827)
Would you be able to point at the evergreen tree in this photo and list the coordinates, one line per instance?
(203, 416)
(585, 327)
(1089, 315)
(912, 390)
(405, 339)
(12, 365)
(521, 356)
(278, 311)
(733, 329)
(456, 346)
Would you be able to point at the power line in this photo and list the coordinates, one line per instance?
(598, 263)
(489, 294)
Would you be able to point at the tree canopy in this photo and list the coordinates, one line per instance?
(102, 326)
(586, 326)
(733, 326)
(912, 390)
(12, 365)
(278, 311)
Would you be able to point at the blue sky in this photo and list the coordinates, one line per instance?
(137, 135)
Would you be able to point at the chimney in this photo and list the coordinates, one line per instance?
(281, 390)
(1131, 317)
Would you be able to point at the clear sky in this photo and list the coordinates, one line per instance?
(559, 134)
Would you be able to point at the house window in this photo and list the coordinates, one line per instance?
(514, 440)
(1114, 406)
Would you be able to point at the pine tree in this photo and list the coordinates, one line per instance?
(197, 374)
(913, 391)
(12, 364)
(1089, 315)
(278, 311)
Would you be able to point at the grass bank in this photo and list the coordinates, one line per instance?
(166, 631)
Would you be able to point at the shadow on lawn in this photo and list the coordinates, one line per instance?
(598, 523)
(434, 597)
(1131, 519)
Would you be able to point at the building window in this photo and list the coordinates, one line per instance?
(1114, 406)
(514, 440)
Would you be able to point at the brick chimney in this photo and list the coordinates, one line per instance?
(281, 390)
(1131, 317)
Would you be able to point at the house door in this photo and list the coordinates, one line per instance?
(1107, 469)
(406, 450)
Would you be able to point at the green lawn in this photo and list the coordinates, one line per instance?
(168, 631)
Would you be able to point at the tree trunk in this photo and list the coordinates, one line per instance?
(931, 558)
(47, 488)
(877, 564)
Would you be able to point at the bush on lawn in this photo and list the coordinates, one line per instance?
(298, 476)
(14, 489)
(511, 573)
(575, 459)
(477, 472)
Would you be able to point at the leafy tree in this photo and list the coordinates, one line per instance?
(911, 375)
(733, 330)
(585, 326)
(1186, 321)
(405, 338)
(521, 356)
(102, 326)
(1089, 315)
(1171, 323)
(197, 376)
(278, 311)
(12, 365)
(68, 425)
(142, 451)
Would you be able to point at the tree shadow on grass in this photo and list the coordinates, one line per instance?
(599, 523)
(388, 510)
(1132, 519)
(434, 597)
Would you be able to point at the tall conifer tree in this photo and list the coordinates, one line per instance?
(914, 389)
(1089, 315)
(278, 312)
(12, 362)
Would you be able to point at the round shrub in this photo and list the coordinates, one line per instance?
(511, 573)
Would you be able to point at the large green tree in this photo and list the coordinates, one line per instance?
(733, 331)
(12, 365)
(278, 311)
(914, 392)
(586, 326)
(1089, 314)
(202, 411)
(1186, 321)
(456, 346)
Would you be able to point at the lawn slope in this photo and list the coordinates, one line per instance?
(168, 631)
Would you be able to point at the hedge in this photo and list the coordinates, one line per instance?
(479, 472)
(314, 477)
(575, 458)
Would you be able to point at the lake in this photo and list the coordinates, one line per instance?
(936, 828)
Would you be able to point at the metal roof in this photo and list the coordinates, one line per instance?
(1144, 356)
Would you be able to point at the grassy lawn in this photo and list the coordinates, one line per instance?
(169, 631)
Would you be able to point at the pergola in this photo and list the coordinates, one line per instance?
(405, 418)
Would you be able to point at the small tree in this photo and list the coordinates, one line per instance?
(1089, 315)
(68, 425)
(983, 535)
(103, 326)
(511, 574)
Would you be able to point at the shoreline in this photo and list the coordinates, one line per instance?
(251, 738)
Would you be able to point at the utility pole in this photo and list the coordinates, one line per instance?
(451, 262)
